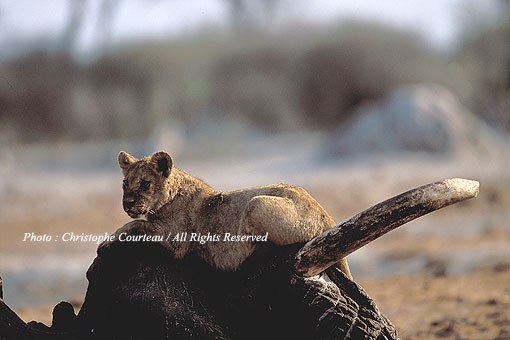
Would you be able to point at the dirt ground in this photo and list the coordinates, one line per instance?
(473, 306)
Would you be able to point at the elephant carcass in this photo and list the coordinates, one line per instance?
(136, 292)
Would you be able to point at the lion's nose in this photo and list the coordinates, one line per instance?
(128, 204)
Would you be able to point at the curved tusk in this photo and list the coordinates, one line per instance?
(329, 247)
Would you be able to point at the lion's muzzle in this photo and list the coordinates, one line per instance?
(132, 207)
(128, 204)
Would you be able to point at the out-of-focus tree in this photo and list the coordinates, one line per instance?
(484, 55)
(317, 80)
(505, 4)
(77, 15)
(49, 96)
(74, 24)
(107, 11)
(250, 14)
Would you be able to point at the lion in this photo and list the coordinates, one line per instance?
(175, 203)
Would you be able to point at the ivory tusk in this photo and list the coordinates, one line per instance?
(328, 248)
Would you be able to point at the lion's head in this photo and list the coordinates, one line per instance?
(146, 182)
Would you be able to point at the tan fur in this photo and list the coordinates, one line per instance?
(175, 202)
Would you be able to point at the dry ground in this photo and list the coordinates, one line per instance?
(472, 306)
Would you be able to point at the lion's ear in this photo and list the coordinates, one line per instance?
(163, 162)
(125, 160)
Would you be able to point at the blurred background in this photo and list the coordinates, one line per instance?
(355, 101)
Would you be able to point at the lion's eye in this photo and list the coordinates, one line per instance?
(144, 185)
(125, 184)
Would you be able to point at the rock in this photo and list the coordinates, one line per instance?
(424, 118)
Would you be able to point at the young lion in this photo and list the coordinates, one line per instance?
(174, 202)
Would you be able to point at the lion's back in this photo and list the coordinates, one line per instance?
(225, 210)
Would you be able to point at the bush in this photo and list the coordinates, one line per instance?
(34, 96)
(485, 59)
(304, 77)
(317, 82)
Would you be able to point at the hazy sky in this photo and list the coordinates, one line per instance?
(19, 19)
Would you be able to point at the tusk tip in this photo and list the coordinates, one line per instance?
(469, 187)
